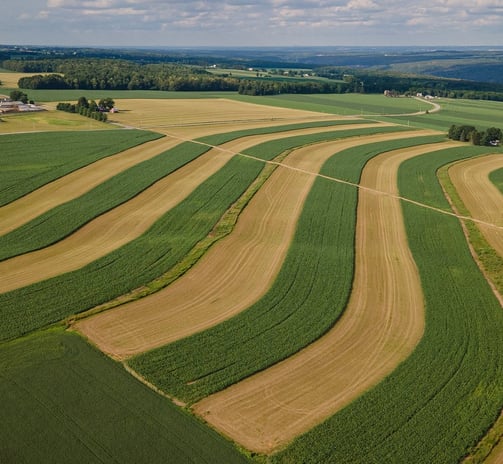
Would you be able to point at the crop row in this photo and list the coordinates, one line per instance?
(32, 160)
(442, 399)
(306, 299)
(148, 256)
(61, 221)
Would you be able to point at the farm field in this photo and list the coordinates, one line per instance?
(295, 278)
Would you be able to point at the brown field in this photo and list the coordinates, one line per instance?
(126, 222)
(233, 274)
(481, 197)
(182, 117)
(10, 79)
(380, 327)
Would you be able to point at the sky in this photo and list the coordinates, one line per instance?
(230, 23)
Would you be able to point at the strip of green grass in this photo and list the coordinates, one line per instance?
(306, 299)
(496, 178)
(61, 221)
(63, 401)
(148, 256)
(32, 160)
(442, 399)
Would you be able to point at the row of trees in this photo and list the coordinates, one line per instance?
(89, 108)
(275, 87)
(466, 133)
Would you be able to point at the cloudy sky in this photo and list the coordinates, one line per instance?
(180, 23)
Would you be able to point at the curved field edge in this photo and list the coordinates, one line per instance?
(492, 264)
(306, 299)
(490, 260)
(42, 163)
(61, 221)
(63, 399)
(439, 402)
(154, 252)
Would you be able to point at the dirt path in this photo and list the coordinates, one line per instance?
(129, 220)
(382, 324)
(232, 275)
(480, 196)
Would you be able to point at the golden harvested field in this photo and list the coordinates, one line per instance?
(234, 273)
(380, 327)
(10, 79)
(480, 195)
(195, 118)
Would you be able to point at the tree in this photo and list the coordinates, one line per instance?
(82, 102)
(18, 95)
(491, 135)
(106, 103)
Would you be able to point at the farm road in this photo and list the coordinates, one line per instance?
(233, 274)
(129, 220)
(380, 327)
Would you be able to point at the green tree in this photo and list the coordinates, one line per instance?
(106, 103)
(18, 95)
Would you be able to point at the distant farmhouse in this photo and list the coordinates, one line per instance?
(9, 106)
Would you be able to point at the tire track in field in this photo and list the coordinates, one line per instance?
(233, 274)
(120, 225)
(481, 197)
(382, 324)
(77, 183)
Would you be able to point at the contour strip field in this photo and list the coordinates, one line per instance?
(382, 324)
(129, 220)
(234, 274)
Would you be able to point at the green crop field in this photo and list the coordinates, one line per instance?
(32, 160)
(63, 401)
(61, 397)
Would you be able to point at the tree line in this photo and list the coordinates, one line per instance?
(119, 74)
(467, 133)
(88, 108)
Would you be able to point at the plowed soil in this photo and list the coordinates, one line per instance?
(382, 324)
(232, 275)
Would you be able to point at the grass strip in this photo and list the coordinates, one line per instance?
(444, 397)
(63, 400)
(306, 299)
(32, 160)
